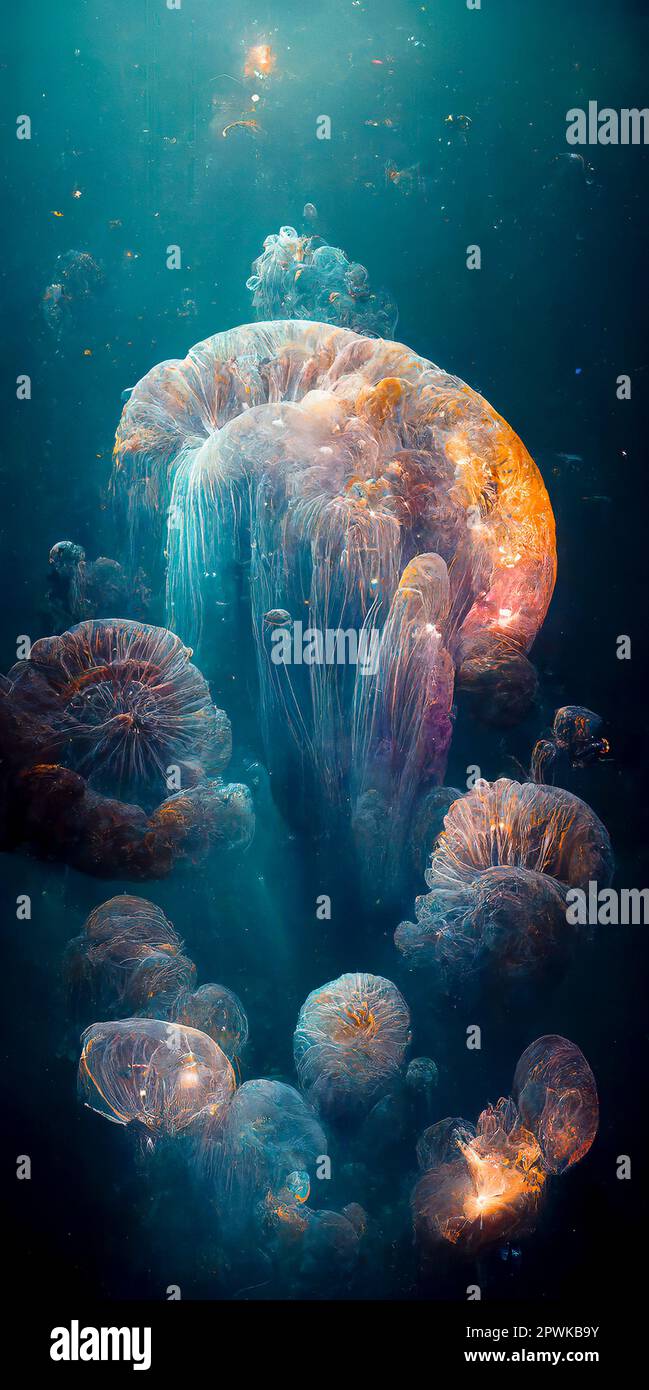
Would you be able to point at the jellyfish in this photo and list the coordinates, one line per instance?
(555, 1091)
(498, 880)
(300, 469)
(81, 589)
(108, 712)
(302, 277)
(267, 1135)
(422, 1077)
(479, 1187)
(127, 958)
(217, 1011)
(77, 277)
(124, 704)
(575, 735)
(154, 1074)
(350, 1042)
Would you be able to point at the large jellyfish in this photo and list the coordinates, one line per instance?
(554, 1089)
(301, 277)
(498, 879)
(156, 1074)
(97, 725)
(127, 955)
(350, 1042)
(384, 510)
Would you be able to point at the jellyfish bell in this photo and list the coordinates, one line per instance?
(577, 732)
(128, 959)
(122, 702)
(269, 1133)
(350, 1043)
(155, 1074)
(498, 879)
(95, 726)
(555, 1091)
(217, 1011)
(344, 480)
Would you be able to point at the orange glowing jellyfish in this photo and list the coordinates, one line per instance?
(484, 1186)
(362, 490)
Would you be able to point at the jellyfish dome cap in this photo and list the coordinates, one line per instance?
(127, 955)
(97, 726)
(158, 1074)
(556, 1094)
(350, 1042)
(377, 501)
(268, 1134)
(123, 701)
(498, 879)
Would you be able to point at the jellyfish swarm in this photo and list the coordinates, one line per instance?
(113, 710)
(350, 1043)
(267, 1134)
(127, 955)
(159, 1075)
(554, 1089)
(479, 1186)
(378, 503)
(498, 879)
(301, 277)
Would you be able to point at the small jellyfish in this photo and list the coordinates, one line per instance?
(127, 958)
(350, 1042)
(556, 1094)
(299, 1185)
(422, 1077)
(156, 1074)
(575, 735)
(302, 277)
(310, 211)
(215, 1010)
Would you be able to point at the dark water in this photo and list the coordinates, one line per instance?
(127, 106)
